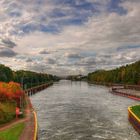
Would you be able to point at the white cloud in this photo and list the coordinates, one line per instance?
(102, 35)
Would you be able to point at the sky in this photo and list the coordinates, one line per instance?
(66, 37)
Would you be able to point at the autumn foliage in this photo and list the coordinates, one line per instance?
(129, 74)
(10, 91)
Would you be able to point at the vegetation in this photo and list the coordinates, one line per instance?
(27, 79)
(136, 110)
(11, 96)
(30, 79)
(7, 111)
(6, 74)
(129, 74)
(12, 133)
(11, 92)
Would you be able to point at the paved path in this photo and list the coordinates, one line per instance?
(28, 131)
(14, 122)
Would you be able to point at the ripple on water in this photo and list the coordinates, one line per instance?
(77, 111)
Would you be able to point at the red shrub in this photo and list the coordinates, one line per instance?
(10, 91)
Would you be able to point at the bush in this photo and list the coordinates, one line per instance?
(11, 91)
(7, 111)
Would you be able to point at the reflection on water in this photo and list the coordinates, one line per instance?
(79, 111)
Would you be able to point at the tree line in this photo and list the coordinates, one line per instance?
(27, 79)
(129, 74)
(12, 84)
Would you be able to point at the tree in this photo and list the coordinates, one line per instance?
(11, 91)
(129, 74)
(6, 73)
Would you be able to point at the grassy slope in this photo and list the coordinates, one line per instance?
(12, 133)
(136, 110)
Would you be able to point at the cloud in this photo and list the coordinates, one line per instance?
(70, 35)
(44, 52)
(5, 52)
(50, 61)
(72, 55)
(7, 43)
(29, 60)
(128, 47)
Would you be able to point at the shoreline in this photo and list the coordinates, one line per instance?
(33, 120)
(131, 92)
(30, 132)
(134, 119)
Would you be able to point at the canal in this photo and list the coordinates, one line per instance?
(80, 111)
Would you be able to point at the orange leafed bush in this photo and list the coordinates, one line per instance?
(10, 90)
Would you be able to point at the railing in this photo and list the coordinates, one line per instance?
(35, 137)
(136, 87)
(36, 89)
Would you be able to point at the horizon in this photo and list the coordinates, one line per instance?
(68, 37)
(62, 76)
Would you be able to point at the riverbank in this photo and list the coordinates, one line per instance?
(132, 92)
(126, 92)
(29, 121)
(129, 91)
(134, 117)
(108, 84)
(30, 131)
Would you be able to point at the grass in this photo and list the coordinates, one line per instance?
(136, 110)
(12, 133)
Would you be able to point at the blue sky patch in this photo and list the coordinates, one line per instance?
(114, 6)
(128, 47)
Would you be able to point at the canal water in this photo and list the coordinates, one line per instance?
(80, 111)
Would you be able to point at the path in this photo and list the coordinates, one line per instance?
(28, 132)
(14, 122)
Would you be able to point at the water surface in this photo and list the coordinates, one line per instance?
(79, 111)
